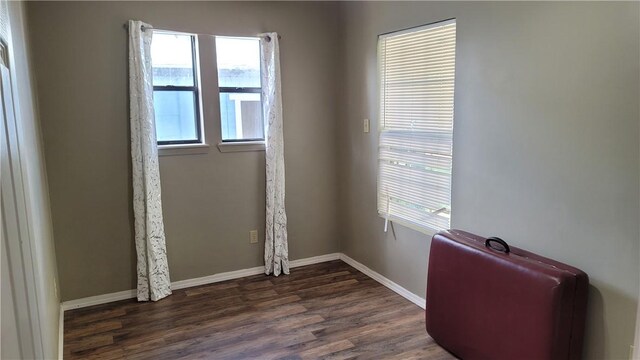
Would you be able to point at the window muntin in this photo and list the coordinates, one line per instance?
(239, 81)
(175, 88)
(417, 71)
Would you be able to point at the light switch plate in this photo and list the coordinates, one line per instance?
(253, 236)
(366, 125)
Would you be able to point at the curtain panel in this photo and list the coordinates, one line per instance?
(153, 270)
(276, 251)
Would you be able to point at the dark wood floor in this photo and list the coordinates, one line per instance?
(328, 311)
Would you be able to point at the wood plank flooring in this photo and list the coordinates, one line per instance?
(323, 311)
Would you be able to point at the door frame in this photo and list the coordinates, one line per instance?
(15, 212)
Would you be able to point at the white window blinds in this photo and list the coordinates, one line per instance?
(417, 69)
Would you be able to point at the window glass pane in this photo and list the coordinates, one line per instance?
(238, 62)
(175, 115)
(241, 116)
(172, 59)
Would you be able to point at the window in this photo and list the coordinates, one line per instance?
(417, 69)
(175, 88)
(238, 61)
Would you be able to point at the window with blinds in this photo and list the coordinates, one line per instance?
(417, 70)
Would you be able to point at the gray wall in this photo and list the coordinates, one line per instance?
(211, 200)
(34, 181)
(545, 144)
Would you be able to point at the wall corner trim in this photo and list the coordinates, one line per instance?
(421, 302)
(61, 333)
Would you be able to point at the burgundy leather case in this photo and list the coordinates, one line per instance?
(488, 304)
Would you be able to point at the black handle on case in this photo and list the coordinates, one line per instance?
(505, 248)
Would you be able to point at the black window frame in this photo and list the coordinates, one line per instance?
(242, 90)
(195, 89)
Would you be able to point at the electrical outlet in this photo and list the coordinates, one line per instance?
(253, 236)
(366, 125)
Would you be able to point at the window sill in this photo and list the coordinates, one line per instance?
(410, 225)
(183, 149)
(238, 146)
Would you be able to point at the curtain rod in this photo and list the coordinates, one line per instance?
(126, 27)
(269, 37)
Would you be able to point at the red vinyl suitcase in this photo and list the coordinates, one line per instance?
(486, 300)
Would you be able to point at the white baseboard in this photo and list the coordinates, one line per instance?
(384, 281)
(248, 272)
(61, 334)
(314, 260)
(230, 275)
(98, 299)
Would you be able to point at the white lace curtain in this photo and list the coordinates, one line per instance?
(153, 270)
(276, 252)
